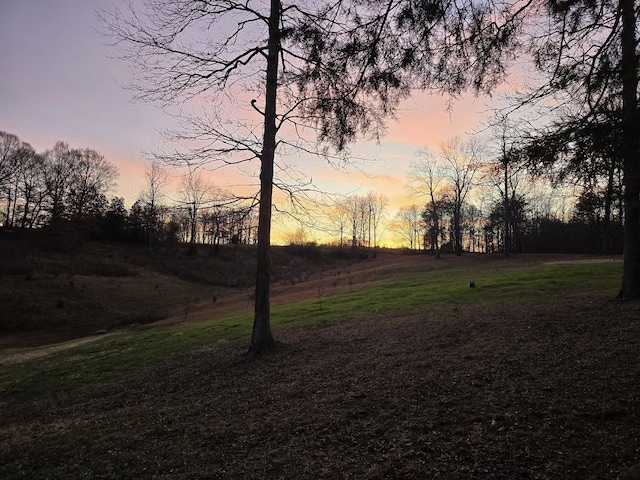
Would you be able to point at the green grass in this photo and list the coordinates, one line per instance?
(115, 356)
(119, 355)
(451, 287)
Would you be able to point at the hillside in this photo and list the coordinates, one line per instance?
(533, 374)
(52, 291)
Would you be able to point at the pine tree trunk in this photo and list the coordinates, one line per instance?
(631, 154)
(261, 338)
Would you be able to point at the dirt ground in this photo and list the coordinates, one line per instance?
(547, 391)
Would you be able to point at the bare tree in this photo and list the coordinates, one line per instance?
(309, 67)
(460, 163)
(362, 214)
(506, 173)
(31, 189)
(377, 204)
(297, 237)
(10, 146)
(408, 225)
(92, 176)
(223, 210)
(358, 211)
(157, 179)
(195, 189)
(425, 181)
(472, 220)
(16, 158)
(60, 162)
(353, 205)
(340, 218)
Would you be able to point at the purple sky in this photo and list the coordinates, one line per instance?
(58, 83)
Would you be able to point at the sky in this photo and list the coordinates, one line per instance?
(60, 82)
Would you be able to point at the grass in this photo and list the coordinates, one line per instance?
(121, 354)
(451, 287)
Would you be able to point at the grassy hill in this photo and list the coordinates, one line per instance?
(51, 292)
(390, 368)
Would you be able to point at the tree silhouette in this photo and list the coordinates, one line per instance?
(156, 181)
(300, 68)
(460, 162)
(425, 181)
(586, 50)
(588, 152)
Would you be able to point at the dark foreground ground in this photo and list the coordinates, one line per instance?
(502, 392)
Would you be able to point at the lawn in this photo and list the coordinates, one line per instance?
(532, 374)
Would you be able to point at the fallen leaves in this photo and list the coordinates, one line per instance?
(506, 391)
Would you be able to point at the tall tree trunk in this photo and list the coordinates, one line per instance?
(507, 216)
(192, 240)
(436, 225)
(25, 211)
(457, 228)
(261, 338)
(631, 154)
(7, 223)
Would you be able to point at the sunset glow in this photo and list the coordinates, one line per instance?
(60, 84)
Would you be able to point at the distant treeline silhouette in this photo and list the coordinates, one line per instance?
(63, 191)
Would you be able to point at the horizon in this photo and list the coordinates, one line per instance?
(62, 85)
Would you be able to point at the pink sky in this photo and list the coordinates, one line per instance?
(58, 83)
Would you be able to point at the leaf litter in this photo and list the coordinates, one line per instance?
(544, 391)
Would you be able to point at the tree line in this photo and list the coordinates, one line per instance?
(473, 201)
(67, 189)
(503, 200)
(60, 184)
